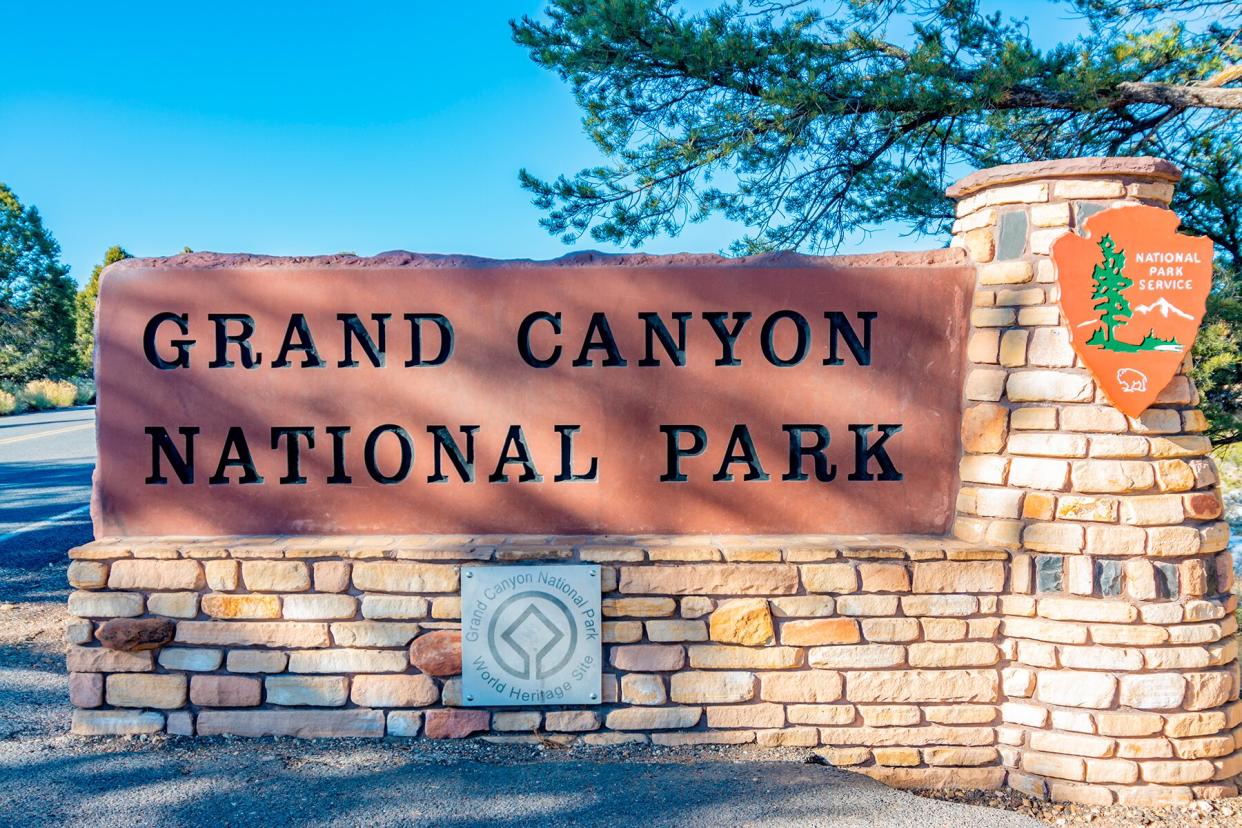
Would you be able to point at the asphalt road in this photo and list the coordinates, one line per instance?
(46, 460)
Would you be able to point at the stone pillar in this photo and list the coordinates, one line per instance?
(1121, 681)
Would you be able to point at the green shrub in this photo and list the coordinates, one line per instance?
(85, 391)
(8, 402)
(43, 394)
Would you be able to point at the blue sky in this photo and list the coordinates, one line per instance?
(312, 127)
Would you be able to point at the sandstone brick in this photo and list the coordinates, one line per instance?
(844, 757)
(373, 633)
(252, 633)
(696, 606)
(190, 659)
(226, 691)
(1174, 475)
(746, 621)
(960, 654)
(116, 722)
(857, 656)
(643, 688)
(884, 577)
(983, 346)
(746, 715)
(817, 631)
(343, 660)
(907, 737)
(896, 756)
(1013, 342)
(1057, 766)
(955, 576)
(404, 723)
(319, 607)
(1173, 541)
(676, 630)
(437, 653)
(1049, 386)
(1038, 473)
(103, 660)
(331, 576)
(943, 629)
(1006, 273)
(653, 718)
(959, 756)
(912, 686)
(984, 428)
(939, 605)
(1087, 609)
(833, 578)
(889, 715)
(87, 574)
(515, 720)
(1176, 773)
(394, 607)
(857, 605)
(960, 714)
(1153, 795)
(572, 721)
(1074, 744)
(314, 691)
(256, 661)
(649, 657)
(86, 689)
(106, 604)
(712, 687)
(1076, 689)
(224, 605)
(1048, 445)
(890, 629)
(1112, 476)
(807, 686)
(1207, 690)
(715, 579)
(166, 691)
(306, 724)
(723, 657)
(79, 631)
(222, 576)
(639, 607)
(393, 691)
(622, 632)
(152, 574)
(1157, 691)
(403, 576)
(1183, 725)
(788, 737)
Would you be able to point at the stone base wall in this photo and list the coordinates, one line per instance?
(888, 652)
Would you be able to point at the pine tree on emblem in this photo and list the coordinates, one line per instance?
(1109, 286)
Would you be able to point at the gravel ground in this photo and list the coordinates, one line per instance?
(48, 777)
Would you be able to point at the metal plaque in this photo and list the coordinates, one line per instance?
(530, 635)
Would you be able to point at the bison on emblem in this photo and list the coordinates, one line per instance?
(1132, 381)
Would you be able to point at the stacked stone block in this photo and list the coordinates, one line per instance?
(1121, 675)
(885, 654)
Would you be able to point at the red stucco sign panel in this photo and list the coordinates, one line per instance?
(417, 394)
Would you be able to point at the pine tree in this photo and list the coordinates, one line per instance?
(86, 299)
(37, 325)
(1110, 285)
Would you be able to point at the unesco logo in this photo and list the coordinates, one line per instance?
(532, 635)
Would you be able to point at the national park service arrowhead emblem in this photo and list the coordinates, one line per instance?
(1133, 291)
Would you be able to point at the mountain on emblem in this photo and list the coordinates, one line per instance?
(1133, 291)
(1165, 307)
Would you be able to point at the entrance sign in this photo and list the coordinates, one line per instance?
(1133, 291)
(531, 635)
(439, 397)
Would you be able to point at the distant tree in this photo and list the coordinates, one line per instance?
(86, 300)
(807, 120)
(37, 331)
